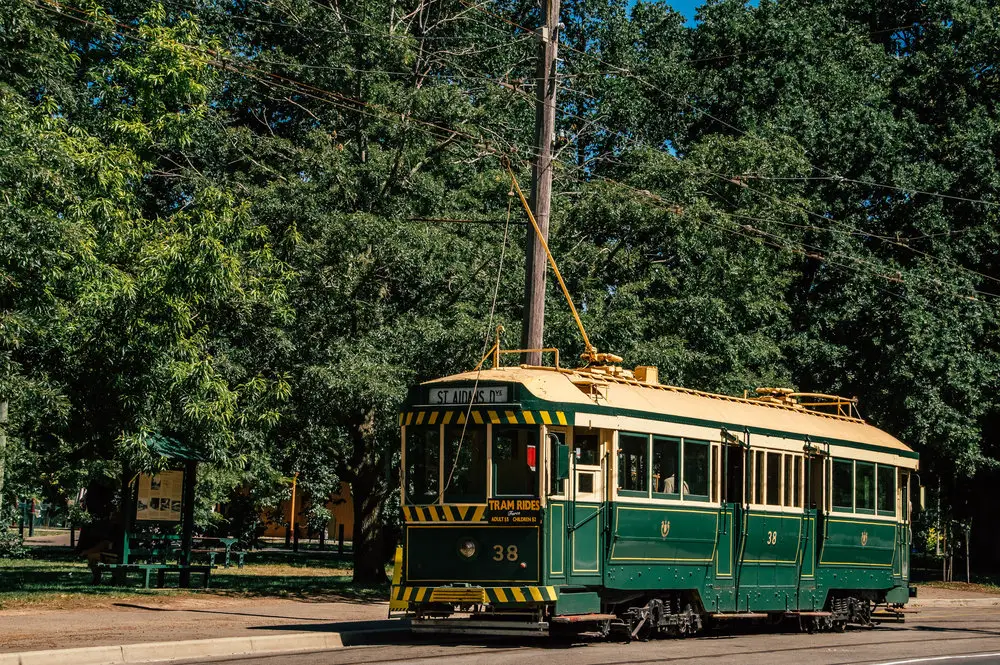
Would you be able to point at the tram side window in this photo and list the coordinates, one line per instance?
(716, 473)
(515, 461)
(465, 464)
(423, 457)
(633, 472)
(843, 485)
(758, 469)
(886, 490)
(797, 499)
(696, 468)
(666, 466)
(789, 483)
(773, 479)
(864, 487)
(587, 446)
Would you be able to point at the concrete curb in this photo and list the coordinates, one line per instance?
(150, 652)
(947, 602)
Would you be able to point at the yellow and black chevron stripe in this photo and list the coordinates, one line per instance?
(481, 417)
(456, 513)
(499, 595)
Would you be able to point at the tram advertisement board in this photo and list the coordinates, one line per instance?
(523, 512)
(160, 496)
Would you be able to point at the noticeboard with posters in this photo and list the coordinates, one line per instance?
(159, 497)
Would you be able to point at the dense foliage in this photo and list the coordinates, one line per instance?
(216, 221)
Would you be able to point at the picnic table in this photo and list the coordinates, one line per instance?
(214, 546)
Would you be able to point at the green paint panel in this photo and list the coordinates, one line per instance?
(854, 542)
(586, 544)
(578, 602)
(664, 534)
(431, 554)
(554, 530)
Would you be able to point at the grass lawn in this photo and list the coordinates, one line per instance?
(981, 585)
(53, 578)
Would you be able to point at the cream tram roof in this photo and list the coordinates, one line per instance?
(573, 390)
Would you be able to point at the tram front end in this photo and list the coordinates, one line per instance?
(472, 537)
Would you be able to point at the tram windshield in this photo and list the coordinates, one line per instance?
(448, 464)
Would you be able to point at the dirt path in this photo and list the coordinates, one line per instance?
(149, 620)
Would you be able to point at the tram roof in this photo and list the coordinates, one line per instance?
(567, 389)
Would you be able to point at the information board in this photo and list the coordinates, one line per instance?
(160, 496)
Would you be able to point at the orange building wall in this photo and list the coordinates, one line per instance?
(340, 505)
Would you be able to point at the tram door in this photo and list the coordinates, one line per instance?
(585, 524)
(731, 526)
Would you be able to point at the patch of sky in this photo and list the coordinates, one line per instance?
(689, 8)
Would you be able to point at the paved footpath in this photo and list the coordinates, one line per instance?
(156, 620)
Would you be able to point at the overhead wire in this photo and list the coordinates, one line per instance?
(630, 74)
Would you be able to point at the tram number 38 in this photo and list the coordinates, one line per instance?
(499, 553)
(772, 537)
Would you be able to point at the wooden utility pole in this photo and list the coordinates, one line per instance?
(541, 183)
(3, 443)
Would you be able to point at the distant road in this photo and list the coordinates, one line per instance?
(934, 636)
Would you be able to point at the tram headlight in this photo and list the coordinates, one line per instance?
(467, 548)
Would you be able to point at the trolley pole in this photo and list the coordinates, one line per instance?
(541, 184)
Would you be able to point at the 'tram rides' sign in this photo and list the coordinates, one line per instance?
(525, 512)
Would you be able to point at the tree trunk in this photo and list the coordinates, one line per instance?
(369, 553)
(366, 476)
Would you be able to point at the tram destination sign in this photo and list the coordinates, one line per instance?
(524, 512)
(459, 396)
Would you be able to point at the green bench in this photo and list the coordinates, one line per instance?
(120, 571)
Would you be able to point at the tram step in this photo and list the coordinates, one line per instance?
(739, 615)
(583, 618)
(810, 614)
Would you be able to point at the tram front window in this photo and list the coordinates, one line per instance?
(423, 456)
(515, 461)
(464, 477)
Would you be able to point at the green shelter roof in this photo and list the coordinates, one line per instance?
(171, 448)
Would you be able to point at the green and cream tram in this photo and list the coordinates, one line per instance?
(538, 499)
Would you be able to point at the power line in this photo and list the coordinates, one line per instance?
(630, 74)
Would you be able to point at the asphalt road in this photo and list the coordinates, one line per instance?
(939, 636)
